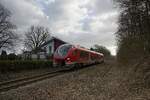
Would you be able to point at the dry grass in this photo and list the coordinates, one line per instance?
(100, 82)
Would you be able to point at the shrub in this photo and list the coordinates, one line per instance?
(3, 55)
(101, 49)
(17, 65)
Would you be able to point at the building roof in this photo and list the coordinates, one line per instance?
(52, 39)
(40, 49)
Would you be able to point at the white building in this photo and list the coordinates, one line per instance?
(47, 50)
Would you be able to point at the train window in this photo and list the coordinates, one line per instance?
(74, 53)
(83, 54)
(93, 57)
(63, 50)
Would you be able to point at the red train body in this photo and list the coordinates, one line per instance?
(73, 55)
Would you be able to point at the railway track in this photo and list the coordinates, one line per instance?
(12, 84)
(107, 71)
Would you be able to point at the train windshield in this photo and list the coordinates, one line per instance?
(63, 50)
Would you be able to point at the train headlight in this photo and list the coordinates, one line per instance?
(68, 59)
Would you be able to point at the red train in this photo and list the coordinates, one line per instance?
(70, 55)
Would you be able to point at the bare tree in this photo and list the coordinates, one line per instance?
(101, 49)
(133, 34)
(35, 37)
(7, 34)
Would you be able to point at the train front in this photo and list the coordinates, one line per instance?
(61, 54)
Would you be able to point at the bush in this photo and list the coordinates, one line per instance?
(3, 55)
(23, 65)
(101, 49)
(11, 56)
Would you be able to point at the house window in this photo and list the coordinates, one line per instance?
(50, 49)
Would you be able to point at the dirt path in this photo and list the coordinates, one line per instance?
(100, 82)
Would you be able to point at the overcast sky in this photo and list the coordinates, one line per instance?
(81, 22)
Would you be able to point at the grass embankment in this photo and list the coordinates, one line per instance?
(18, 65)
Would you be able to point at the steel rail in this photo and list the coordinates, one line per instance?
(12, 84)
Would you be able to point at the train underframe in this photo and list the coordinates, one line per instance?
(65, 64)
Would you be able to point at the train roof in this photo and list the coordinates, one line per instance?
(88, 50)
(83, 48)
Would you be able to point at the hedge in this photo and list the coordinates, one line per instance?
(23, 65)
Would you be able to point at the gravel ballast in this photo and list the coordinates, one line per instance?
(99, 82)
